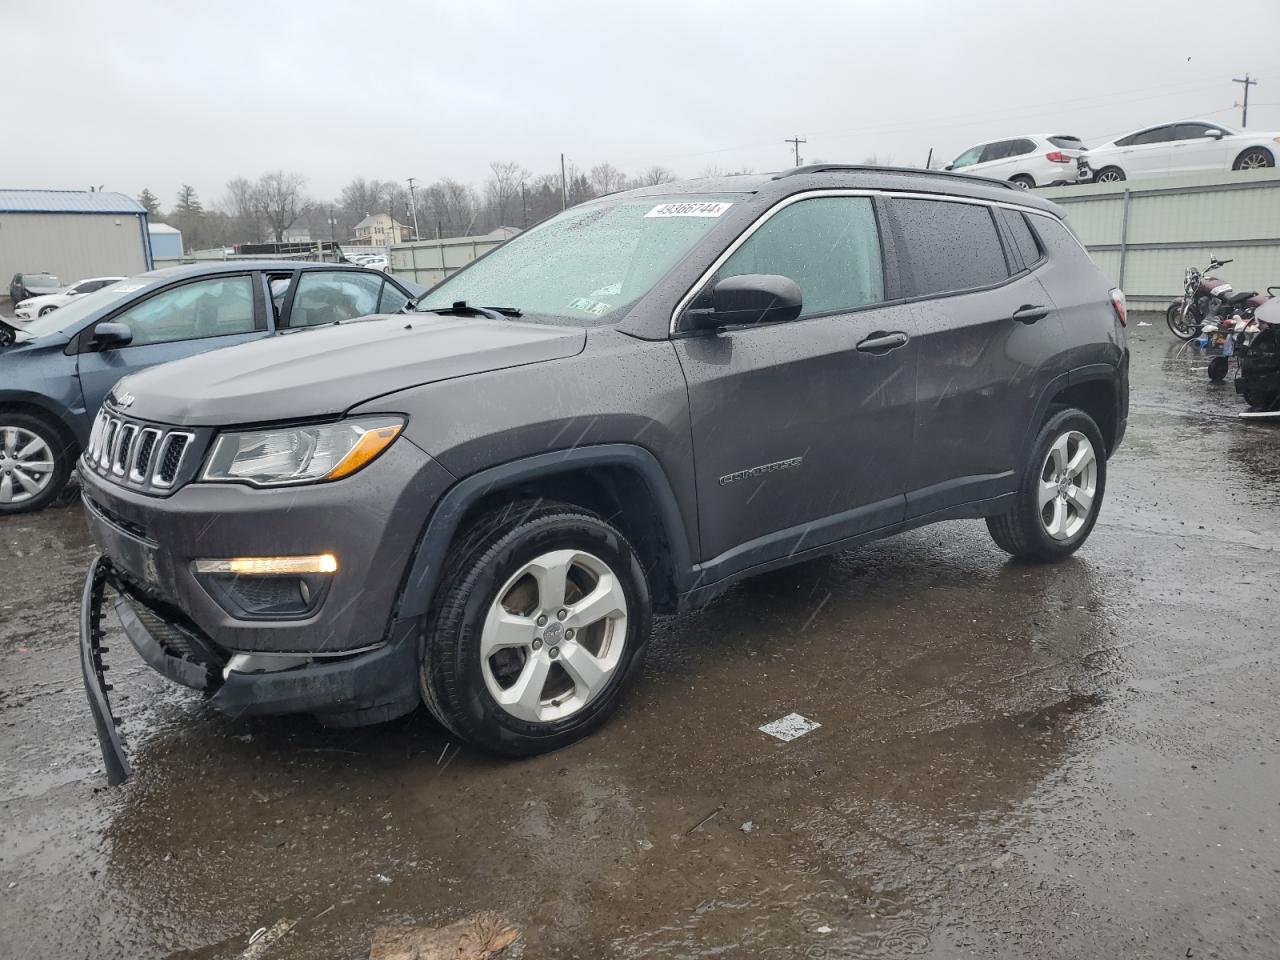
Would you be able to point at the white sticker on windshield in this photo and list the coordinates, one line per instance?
(127, 287)
(593, 307)
(697, 209)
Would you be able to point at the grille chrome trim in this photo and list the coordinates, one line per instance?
(161, 453)
(126, 436)
(138, 467)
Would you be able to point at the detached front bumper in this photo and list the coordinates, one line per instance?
(366, 687)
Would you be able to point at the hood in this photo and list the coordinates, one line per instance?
(328, 370)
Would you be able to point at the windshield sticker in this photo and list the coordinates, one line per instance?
(127, 287)
(700, 209)
(593, 307)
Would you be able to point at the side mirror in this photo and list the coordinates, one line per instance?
(949, 166)
(750, 299)
(107, 336)
(1215, 134)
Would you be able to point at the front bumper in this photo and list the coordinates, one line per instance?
(370, 522)
(367, 687)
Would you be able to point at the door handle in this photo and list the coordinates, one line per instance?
(881, 342)
(1030, 314)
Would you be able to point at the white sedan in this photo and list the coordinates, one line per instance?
(34, 307)
(1191, 146)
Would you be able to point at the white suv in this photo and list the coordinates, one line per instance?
(1035, 160)
(1191, 146)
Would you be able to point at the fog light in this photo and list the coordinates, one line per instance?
(270, 566)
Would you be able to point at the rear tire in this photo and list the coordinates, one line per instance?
(1218, 369)
(1023, 182)
(35, 462)
(1255, 158)
(1059, 497)
(1109, 175)
(518, 658)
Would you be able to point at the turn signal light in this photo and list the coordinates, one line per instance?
(366, 448)
(270, 566)
(1057, 156)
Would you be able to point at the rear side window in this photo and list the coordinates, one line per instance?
(1057, 240)
(829, 246)
(998, 150)
(1021, 148)
(1023, 238)
(948, 246)
(1158, 135)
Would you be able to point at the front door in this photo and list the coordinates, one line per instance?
(801, 437)
(176, 322)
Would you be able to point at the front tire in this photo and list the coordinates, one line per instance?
(45, 311)
(1182, 321)
(541, 620)
(1109, 175)
(1255, 158)
(35, 463)
(1060, 494)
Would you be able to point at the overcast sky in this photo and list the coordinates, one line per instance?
(134, 94)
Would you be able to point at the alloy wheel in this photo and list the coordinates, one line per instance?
(26, 464)
(1068, 484)
(554, 636)
(1254, 160)
(1109, 176)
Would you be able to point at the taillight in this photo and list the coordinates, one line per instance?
(1057, 156)
(1119, 306)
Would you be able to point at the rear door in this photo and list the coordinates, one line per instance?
(1148, 154)
(977, 365)
(176, 322)
(802, 429)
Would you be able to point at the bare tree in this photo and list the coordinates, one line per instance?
(279, 200)
(450, 208)
(606, 178)
(654, 176)
(501, 188)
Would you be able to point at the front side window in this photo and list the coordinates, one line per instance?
(968, 158)
(393, 301)
(325, 297)
(948, 246)
(193, 311)
(1192, 131)
(588, 265)
(828, 245)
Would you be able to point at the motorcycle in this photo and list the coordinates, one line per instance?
(1258, 360)
(1207, 299)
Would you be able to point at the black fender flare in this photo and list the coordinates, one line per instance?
(423, 576)
(1089, 372)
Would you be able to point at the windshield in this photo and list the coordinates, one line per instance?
(33, 280)
(81, 307)
(587, 265)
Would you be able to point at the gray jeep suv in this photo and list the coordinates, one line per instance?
(622, 411)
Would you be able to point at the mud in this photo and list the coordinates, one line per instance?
(1013, 761)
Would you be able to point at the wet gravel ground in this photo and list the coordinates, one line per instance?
(1013, 761)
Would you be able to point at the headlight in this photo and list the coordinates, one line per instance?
(303, 454)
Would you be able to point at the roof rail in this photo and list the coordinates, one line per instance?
(868, 168)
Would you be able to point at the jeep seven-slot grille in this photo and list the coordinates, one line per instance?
(134, 454)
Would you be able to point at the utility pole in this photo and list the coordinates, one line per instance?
(928, 164)
(795, 142)
(564, 188)
(1246, 83)
(413, 208)
(524, 207)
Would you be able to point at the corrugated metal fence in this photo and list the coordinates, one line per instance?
(429, 261)
(1144, 233)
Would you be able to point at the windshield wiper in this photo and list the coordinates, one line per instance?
(461, 308)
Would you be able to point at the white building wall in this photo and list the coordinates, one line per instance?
(71, 245)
